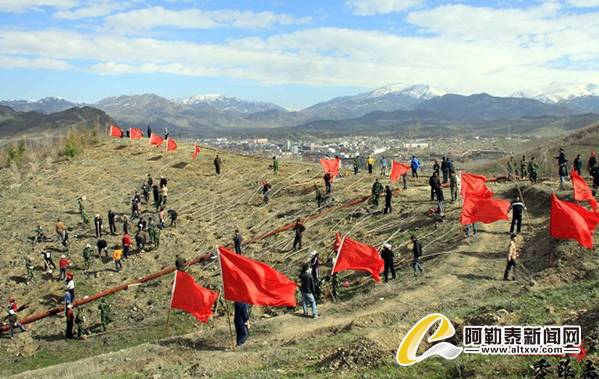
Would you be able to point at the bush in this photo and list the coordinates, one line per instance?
(15, 153)
(73, 145)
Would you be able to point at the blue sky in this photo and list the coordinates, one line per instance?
(293, 53)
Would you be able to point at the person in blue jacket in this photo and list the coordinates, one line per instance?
(415, 164)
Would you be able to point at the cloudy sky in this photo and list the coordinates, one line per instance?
(291, 52)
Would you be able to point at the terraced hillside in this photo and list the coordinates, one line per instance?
(356, 335)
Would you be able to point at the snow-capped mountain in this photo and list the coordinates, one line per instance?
(560, 92)
(46, 105)
(227, 104)
(388, 98)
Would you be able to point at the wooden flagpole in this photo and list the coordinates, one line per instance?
(168, 315)
(222, 286)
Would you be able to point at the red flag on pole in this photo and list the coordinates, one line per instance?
(171, 145)
(254, 282)
(582, 192)
(155, 139)
(354, 255)
(397, 170)
(196, 151)
(483, 209)
(135, 133)
(475, 185)
(571, 221)
(331, 166)
(192, 298)
(115, 131)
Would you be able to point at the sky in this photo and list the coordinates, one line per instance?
(293, 53)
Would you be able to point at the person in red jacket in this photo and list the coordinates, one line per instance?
(12, 305)
(126, 244)
(64, 263)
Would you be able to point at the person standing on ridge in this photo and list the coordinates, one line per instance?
(414, 165)
(563, 168)
(275, 165)
(112, 222)
(356, 162)
(454, 181)
(445, 169)
(217, 164)
(523, 168)
(436, 167)
(370, 162)
(592, 162)
(533, 168)
(578, 164)
(327, 183)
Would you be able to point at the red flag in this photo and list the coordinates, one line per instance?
(155, 139)
(254, 282)
(582, 192)
(397, 170)
(483, 209)
(330, 165)
(115, 131)
(192, 298)
(171, 145)
(475, 185)
(359, 256)
(571, 221)
(135, 133)
(196, 151)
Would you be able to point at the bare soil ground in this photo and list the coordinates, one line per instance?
(357, 335)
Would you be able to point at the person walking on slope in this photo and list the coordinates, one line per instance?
(517, 207)
(63, 264)
(414, 165)
(172, 215)
(417, 253)
(237, 241)
(127, 242)
(308, 290)
(592, 162)
(217, 164)
(377, 189)
(61, 230)
(112, 222)
(433, 182)
(87, 255)
(48, 262)
(512, 255)
(388, 199)
(327, 182)
(370, 163)
(242, 322)
(266, 187)
(577, 165)
(511, 168)
(98, 224)
(116, 257)
(299, 229)
(445, 169)
(82, 210)
(436, 167)
(13, 322)
(563, 168)
(440, 197)
(387, 255)
(319, 196)
(105, 317)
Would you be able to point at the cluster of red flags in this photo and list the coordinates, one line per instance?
(479, 204)
(582, 192)
(331, 166)
(571, 221)
(397, 170)
(135, 133)
(192, 298)
(358, 256)
(253, 282)
(115, 131)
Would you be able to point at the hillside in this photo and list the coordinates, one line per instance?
(356, 336)
(42, 127)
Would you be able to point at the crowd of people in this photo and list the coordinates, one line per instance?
(149, 223)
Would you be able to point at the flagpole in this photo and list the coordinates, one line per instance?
(337, 256)
(168, 315)
(222, 286)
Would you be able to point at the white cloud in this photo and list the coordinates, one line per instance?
(466, 49)
(7, 61)
(372, 7)
(159, 17)
(92, 9)
(584, 3)
(25, 5)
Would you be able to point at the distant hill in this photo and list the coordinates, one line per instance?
(46, 105)
(14, 125)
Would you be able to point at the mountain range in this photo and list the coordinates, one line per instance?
(216, 114)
